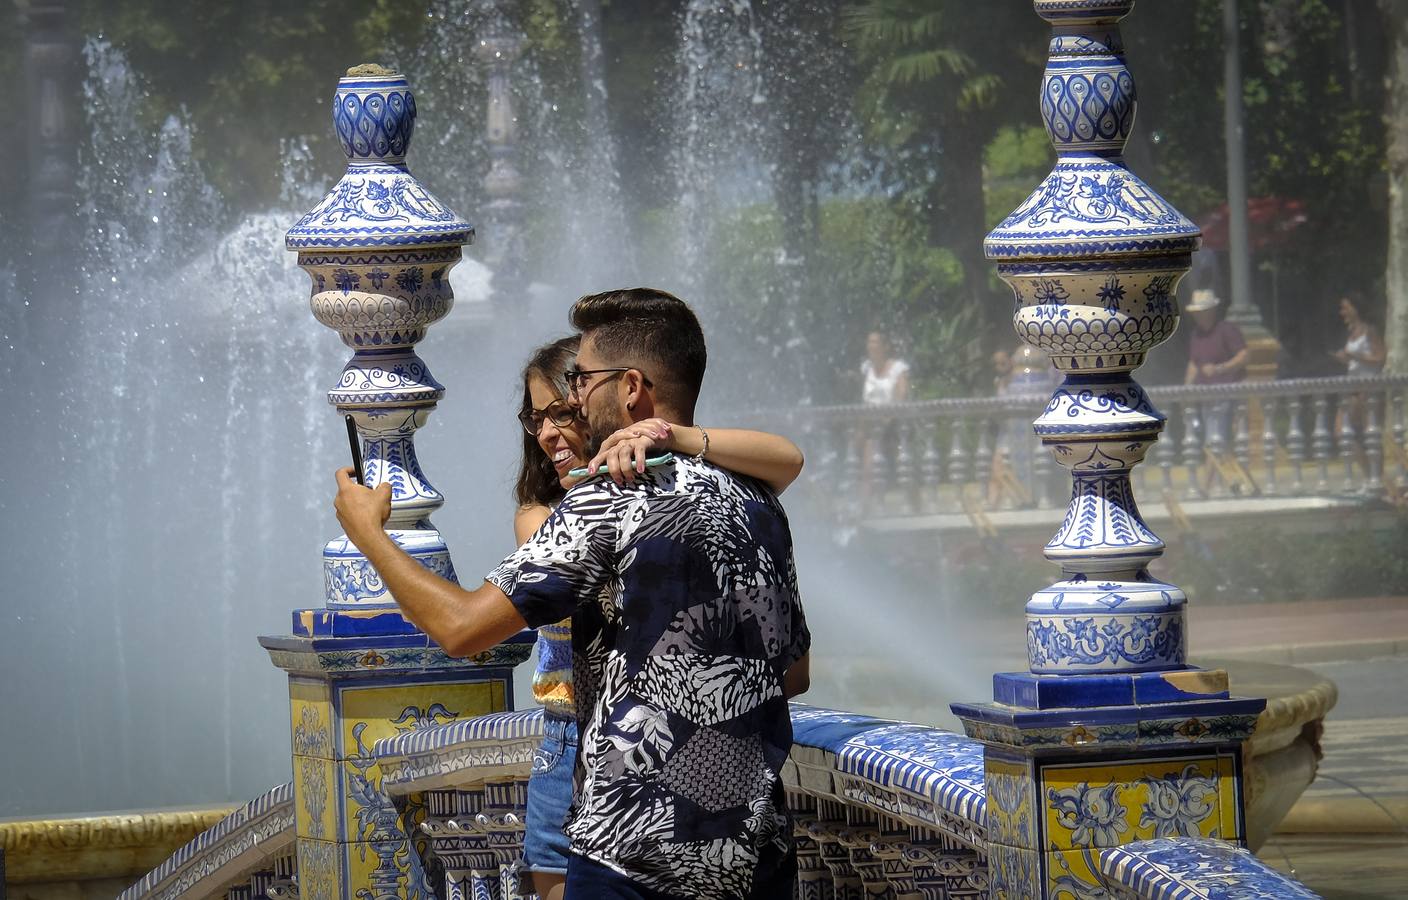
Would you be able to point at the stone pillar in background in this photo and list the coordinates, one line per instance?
(498, 50)
(1110, 737)
(378, 249)
(1263, 350)
(53, 72)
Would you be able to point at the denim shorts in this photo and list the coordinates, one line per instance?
(545, 847)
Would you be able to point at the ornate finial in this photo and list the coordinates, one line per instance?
(378, 203)
(1093, 257)
(379, 249)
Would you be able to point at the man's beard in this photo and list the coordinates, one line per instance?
(605, 422)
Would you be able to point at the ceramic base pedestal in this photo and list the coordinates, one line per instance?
(356, 677)
(1077, 763)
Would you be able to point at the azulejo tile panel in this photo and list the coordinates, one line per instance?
(316, 789)
(1103, 804)
(1010, 803)
(366, 809)
(387, 867)
(310, 711)
(318, 875)
(370, 713)
(1015, 873)
(1072, 875)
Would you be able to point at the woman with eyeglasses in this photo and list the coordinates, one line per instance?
(554, 443)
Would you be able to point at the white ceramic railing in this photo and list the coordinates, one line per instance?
(1293, 438)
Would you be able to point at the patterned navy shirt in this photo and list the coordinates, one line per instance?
(685, 617)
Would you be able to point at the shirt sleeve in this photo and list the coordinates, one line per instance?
(1235, 341)
(801, 637)
(567, 562)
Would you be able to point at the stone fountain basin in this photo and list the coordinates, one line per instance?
(1284, 752)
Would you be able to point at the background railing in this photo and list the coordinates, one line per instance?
(1340, 437)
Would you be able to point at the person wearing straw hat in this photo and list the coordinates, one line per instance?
(1217, 353)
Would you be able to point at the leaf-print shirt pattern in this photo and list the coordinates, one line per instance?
(685, 617)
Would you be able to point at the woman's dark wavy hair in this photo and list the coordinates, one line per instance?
(537, 479)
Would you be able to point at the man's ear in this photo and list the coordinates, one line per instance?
(636, 393)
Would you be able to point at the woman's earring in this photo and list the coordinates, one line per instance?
(630, 406)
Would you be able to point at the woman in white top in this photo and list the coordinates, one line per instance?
(886, 381)
(1363, 352)
(886, 378)
(1363, 356)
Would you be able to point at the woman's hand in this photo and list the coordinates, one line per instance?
(624, 453)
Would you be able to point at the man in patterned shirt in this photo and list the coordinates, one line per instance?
(688, 634)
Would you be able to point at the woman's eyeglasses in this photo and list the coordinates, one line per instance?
(558, 412)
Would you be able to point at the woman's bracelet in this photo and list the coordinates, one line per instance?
(699, 457)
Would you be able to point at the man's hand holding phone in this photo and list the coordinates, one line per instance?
(361, 511)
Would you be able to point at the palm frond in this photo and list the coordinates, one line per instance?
(926, 65)
(979, 92)
(881, 24)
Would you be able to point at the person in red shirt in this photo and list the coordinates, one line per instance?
(1218, 352)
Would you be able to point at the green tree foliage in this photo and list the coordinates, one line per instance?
(247, 73)
(940, 94)
(878, 273)
(1313, 93)
(938, 89)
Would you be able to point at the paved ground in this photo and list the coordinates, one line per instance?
(1302, 632)
(1343, 866)
(1347, 837)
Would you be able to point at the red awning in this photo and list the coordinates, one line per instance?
(1269, 221)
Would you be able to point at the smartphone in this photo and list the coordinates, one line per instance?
(355, 442)
(650, 463)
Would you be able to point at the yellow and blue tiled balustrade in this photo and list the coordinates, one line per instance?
(880, 807)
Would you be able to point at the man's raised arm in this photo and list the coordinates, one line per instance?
(462, 622)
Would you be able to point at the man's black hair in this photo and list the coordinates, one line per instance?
(651, 330)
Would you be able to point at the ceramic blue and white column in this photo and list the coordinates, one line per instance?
(377, 249)
(1110, 736)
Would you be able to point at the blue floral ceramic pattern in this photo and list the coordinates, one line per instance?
(1179, 803)
(378, 249)
(1195, 869)
(1093, 814)
(1124, 643)
(377, 203)
(1010, 806)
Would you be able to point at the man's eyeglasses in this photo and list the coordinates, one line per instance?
(577, 378)
(558, 412)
